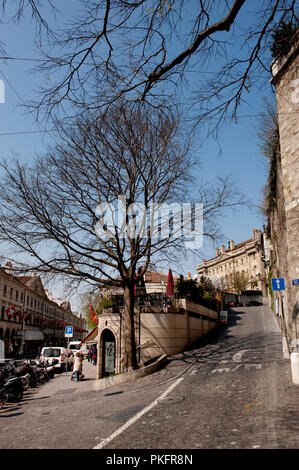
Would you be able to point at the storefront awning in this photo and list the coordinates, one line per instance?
(33, 335)
(92, 337)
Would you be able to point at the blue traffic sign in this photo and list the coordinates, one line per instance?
(68, 331)
(278, 283)
(295, 281)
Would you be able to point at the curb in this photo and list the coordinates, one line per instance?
(107, 382)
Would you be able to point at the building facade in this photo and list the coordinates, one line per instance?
(245, 257)
(30, 319)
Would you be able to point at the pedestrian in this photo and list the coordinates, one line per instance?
(90, 354)
(94, 357)
(78, 365)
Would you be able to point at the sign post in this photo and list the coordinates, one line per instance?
(68, 334)
(278, 283)
(223, 316)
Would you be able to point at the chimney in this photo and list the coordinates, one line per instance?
(222, 249)
(189, 275)
(217, 252)
(232, 245)
(33, 274)
(8, 267)
(256, 234)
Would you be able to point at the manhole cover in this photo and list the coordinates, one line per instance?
(171, 399)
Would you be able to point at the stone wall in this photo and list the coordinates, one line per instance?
(160, 331)
(286, 220)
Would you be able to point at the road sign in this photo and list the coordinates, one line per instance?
(295, 281)
(68, 331)
(278, 283)
(223, 316)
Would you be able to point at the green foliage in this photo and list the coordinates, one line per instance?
(105, 302)
(202, 293)
(99, 304)
(188, 288)
(270, 287)
(268, 135)
(283, 39)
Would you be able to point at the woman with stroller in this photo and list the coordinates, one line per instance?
(78, 362)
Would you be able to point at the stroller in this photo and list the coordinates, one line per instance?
(81, 376)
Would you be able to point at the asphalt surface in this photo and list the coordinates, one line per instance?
(232, 390)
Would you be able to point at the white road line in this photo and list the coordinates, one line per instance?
(136, 417)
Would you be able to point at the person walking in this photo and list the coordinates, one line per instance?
(94, 357)
(78, 365)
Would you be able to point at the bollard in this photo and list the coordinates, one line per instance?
(295, 367)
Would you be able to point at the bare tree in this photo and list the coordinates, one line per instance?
(237, 282)
(60, 210)
(143, 50)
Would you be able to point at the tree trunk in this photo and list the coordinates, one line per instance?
(129, 357)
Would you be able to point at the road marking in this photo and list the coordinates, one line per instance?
(226, 369)
(136, 417)
(256, 366)
(249, 405)
(238, 356)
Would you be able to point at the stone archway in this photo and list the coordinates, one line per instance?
(107, 353)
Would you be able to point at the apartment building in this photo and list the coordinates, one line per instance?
(29, 318)
(244, 257)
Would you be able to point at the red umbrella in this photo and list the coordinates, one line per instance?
(170, 290)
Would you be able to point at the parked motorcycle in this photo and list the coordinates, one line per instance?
(45, 371)
(3, 396)
(11, 385)
(25, 370)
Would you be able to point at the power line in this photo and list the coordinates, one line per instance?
(32, 59)
(27, 132)
(55, 130)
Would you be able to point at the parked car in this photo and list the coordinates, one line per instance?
(253, 303)
(63, 356)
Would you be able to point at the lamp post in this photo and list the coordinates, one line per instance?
(23, 325)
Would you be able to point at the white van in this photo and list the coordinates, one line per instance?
(84, 350)
(63, 356)
(75, 346)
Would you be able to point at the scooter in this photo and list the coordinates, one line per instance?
(12, 385)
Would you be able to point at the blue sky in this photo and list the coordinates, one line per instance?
(239, 157)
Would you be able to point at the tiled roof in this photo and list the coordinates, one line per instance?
(152, 276)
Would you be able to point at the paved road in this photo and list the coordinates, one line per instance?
(233, 391)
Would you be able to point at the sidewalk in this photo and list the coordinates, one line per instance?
(62, 382)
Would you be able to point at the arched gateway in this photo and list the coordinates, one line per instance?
(107, 353)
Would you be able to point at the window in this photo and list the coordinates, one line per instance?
(17, 295)
(22, 297)
(11, 292)
(5, 290)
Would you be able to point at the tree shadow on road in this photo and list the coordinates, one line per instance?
(219, 343)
